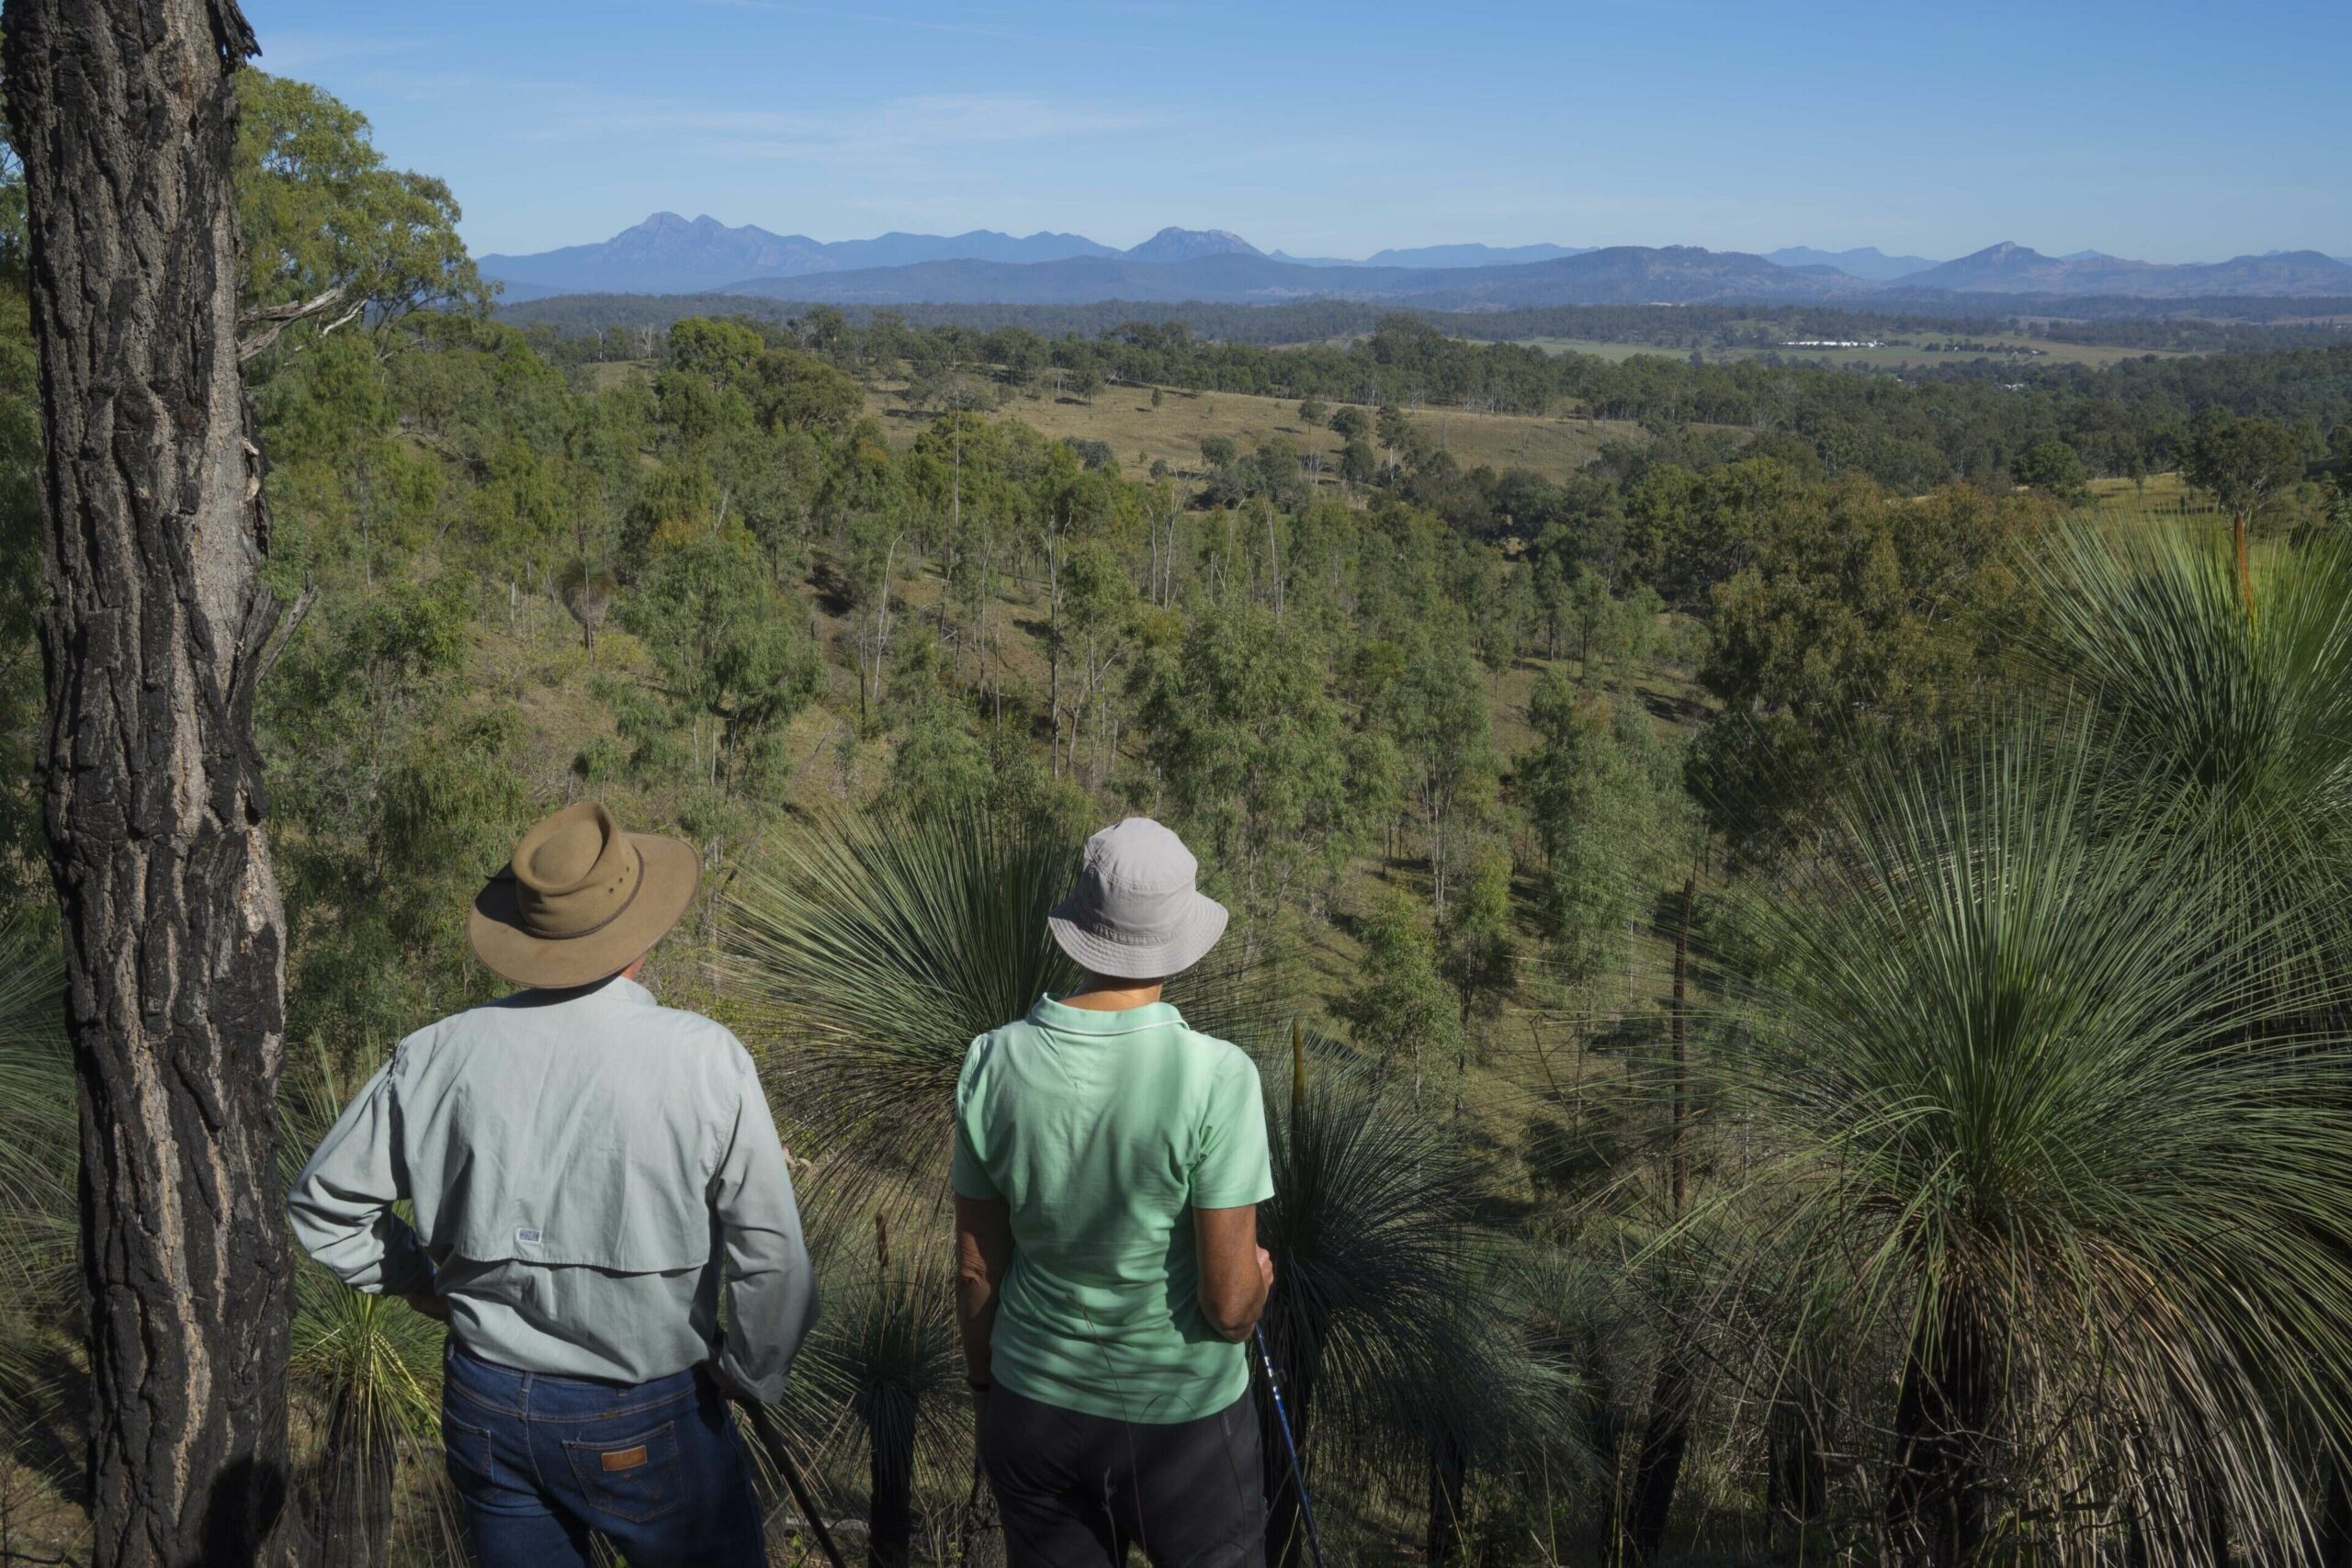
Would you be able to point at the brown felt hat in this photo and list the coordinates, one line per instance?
(581, 899)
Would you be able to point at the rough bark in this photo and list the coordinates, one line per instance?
(1940, 1500)
(124, 113)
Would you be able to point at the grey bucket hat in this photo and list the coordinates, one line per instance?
(1135, 914)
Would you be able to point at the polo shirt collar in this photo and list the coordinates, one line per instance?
(1067, 1020)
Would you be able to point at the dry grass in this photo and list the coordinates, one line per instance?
(1139, 435)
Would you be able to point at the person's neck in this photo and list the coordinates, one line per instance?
(1099, 995)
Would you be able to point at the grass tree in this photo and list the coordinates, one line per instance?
(37, 1129)
(868, 954)
(1388, 1319)
(369, 1370)
(2235, 726)
(2049, 1113)
(885, 1357)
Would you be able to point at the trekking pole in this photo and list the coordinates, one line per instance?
(1290, 1447)
(771, 1437)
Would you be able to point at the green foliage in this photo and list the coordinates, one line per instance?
(22, 593)
(1402, 1012)
(1600, 792)
(1248, 752)
(2049, 1116)
(2054, 469)
(321, 213)
(1478, 948)
(2242, 463)
(1389, 1314)
(1870, 620)
(730, 648)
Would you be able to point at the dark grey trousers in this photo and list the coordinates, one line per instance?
(1076, 1491)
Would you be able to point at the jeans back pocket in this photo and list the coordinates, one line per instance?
(633, 1478)
(466, 1450)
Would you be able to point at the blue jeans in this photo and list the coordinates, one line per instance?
(540, 1462)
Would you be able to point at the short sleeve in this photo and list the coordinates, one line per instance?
(967, 1172)
(1232, 1168)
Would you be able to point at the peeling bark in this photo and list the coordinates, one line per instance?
(124, 113)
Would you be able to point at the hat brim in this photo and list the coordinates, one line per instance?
(494, 928)
(1197, 932)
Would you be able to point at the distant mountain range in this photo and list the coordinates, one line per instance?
(1619, 275)
(2012, 268)
(1869, 262)
(671, 254)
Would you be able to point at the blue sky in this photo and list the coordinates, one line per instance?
(2167, 130)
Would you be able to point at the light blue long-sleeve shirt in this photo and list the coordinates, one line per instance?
(589, 1169)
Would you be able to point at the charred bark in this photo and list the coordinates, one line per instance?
(890, 1508)
(353, 1524)
(1939, 1503)
(1658, 1472)
(124, 112)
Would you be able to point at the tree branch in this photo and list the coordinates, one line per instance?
(285, 631)
(278, 317)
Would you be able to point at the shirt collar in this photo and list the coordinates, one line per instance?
(1067, 1020)
(621, 988)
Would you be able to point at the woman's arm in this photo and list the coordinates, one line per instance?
(1236, 1274)
(983, 1250)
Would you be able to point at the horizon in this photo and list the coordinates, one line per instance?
(1281, 253)
(1322, 130)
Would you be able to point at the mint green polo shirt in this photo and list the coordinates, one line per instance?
(1102, 1131)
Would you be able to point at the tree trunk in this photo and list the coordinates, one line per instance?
(890, 1507)
(1797, 1482)
(356, 1475)
(1449, 1483)
(2246, 560)
(124, 112)
(1659, 1471)
(1939, 1502)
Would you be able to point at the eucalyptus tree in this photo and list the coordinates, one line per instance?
(159, 629)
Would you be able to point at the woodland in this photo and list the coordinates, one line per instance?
(1800, 970)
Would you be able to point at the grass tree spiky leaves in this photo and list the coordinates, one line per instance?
(2047, 1108)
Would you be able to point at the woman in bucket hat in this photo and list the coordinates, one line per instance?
(589, 1171)
(1109, 1162)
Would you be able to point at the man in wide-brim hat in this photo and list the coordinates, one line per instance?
(1109, 1163)
(589, 1171)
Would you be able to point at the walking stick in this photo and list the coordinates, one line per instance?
(771, 1437)
(1290, 1447)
